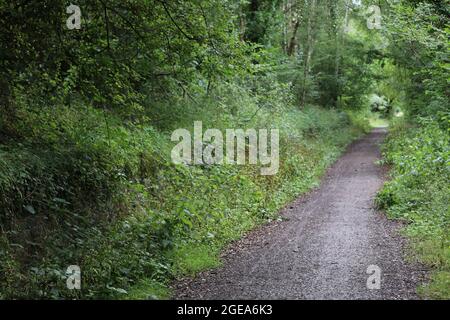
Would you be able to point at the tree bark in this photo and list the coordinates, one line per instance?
(293, 41)
(309, 48)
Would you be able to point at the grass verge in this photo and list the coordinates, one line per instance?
(418, 194)
(86, 188)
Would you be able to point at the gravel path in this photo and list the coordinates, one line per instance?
(322, 248)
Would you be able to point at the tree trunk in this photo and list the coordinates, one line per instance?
(293, 42)
(309, 48)
(339, 43)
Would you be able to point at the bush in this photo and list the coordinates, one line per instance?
(419, 194)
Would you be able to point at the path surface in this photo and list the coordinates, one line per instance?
(323, 247)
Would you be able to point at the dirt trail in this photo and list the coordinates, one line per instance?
(323, 247)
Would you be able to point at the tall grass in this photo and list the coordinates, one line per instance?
(419, 194)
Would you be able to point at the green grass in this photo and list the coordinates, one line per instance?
(419, 194)
(439, 286)
(377, 122)
(190, 259)
(433, 251)
(148, 289)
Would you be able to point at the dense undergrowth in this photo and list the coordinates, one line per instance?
(419, 194)
(86, 176)
(83, 187)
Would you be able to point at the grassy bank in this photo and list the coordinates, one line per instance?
(82, 186)
(418, 194)
(304, 157)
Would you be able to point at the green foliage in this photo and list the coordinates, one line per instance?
(190, 259)
(149, 290)
(124, 52)
(105, 196)
(414, 77)
(418, 44)
(419, 194)
(85, 171)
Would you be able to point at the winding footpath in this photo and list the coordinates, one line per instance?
(323, 246)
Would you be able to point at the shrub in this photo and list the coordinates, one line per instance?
(419, 194)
